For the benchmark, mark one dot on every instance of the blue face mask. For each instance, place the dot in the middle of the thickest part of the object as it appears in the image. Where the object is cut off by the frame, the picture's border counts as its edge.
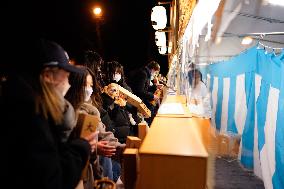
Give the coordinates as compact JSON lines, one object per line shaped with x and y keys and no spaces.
{"x":88,"y":93}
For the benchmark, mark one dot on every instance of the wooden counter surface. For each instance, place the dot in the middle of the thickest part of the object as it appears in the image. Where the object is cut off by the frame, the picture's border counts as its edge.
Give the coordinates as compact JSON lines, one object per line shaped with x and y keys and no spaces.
{"x":174,"y":136}
{"x":178,"y":99}
{"x":174,"y":98}
{"x":174,"y":152}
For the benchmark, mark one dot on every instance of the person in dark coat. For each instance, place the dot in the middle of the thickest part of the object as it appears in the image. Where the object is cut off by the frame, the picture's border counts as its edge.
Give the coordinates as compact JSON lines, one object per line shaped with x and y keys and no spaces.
{"x":119,"y":116}
{"x":32,"y":114}
{"x":114,"y":73}
{"x":140,"y":83}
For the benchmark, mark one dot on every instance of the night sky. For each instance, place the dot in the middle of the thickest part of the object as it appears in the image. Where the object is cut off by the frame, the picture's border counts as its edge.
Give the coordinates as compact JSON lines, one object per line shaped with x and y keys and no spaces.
{"x":125,"y":33}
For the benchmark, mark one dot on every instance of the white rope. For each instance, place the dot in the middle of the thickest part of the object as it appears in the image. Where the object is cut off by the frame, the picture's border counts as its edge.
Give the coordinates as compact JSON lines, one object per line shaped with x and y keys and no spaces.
{"x":268,"y":47}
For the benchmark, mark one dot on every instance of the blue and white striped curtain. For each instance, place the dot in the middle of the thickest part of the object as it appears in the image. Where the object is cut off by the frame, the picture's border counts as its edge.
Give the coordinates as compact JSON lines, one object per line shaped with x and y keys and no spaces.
{"x":248,"y":99}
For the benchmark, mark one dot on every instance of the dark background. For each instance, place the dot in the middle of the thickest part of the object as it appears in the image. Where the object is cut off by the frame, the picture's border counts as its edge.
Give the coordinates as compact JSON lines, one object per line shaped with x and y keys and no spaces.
{"x":124,"y":34}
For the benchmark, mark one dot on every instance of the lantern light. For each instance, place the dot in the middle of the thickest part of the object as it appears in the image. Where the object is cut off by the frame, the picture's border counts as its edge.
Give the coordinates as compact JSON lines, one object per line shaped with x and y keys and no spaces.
{"x":247,"y":40}
{"x":162,"y":50}
{"x":159,"y":17}
{"x":160,"y":38}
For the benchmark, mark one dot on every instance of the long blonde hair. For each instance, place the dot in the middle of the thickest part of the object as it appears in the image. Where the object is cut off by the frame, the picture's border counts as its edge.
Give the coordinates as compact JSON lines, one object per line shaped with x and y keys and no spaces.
{"x":50,"y":103}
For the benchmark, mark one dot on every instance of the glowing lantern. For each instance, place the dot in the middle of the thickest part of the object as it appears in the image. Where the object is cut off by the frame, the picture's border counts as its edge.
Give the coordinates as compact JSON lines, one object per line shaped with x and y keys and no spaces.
{"x":159,"y":17}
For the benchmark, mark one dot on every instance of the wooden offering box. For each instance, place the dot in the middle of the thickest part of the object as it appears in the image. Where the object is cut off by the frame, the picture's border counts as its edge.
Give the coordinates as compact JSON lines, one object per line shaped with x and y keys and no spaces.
{"x":173,"y":155}
{"x":86,"y":124}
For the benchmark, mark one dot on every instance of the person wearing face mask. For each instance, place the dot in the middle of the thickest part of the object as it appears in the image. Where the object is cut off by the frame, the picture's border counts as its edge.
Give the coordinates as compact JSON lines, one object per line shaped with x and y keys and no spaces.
{"x":140,"y":83}
{"x":32,"y":114}
{"x":154,"y":75}
{"x":80,"y":97}
{"x":69,"y":117}
{"x":94,"y":62}
{"x":113,"y":73}
{"x":117,"y":113}
{"x":117,"y":77}
{"x":88,"y":93}
{"x":153,"y":81}
{"x":122,"y":114}
{"x":62,"y":88}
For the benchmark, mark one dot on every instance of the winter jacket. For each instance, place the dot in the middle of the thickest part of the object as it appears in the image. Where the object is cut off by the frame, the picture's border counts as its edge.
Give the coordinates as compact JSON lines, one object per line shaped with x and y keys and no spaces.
{"x":119,"y":116}
{"x":139,"y":81}
{"x":110,"y":125}
{"x":33,"y":154}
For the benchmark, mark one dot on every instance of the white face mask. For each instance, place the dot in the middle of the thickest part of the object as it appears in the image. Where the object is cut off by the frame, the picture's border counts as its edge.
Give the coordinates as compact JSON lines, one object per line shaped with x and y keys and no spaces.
{"x":117,"y":77}
{"x":88,"y":93}
{"x":62,"y":88}
{"x":65,"y":89}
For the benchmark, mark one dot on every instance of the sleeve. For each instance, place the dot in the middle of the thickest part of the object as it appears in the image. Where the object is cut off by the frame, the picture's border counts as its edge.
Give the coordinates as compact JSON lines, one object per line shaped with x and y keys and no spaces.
{"x":34,"y":153}
{"x":152,"y":88}
{"x":140,"y":87}
{"x":203,"y":90}
{"x":73,"y":159}
{"x":107,"y":101}
{"x":44,"y":159}
{"x":110,"y":126}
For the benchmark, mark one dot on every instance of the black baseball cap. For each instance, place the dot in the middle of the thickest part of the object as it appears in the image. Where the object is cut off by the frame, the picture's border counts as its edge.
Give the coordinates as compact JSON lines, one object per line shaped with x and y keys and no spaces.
{"x":52,"y":54}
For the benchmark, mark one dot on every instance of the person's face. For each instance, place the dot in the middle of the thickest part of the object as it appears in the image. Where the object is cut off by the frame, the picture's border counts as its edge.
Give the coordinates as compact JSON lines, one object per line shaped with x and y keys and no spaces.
{"x":117,"y":71}
{"x":58,"y":78}
{"x":154,"y":73}
{"x":117,"y":75}
{"x":88,"y":88}
{"x":61,"y":76}
{"x":89,"y":81}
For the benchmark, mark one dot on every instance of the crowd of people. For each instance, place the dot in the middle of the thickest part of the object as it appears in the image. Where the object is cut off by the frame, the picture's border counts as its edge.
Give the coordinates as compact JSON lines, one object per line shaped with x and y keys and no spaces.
{"x":40,"y":102}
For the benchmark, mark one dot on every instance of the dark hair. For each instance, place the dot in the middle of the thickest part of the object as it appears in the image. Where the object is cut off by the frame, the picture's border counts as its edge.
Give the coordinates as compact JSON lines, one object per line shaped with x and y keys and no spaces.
{"x":94,"y":62}
{"x":75,"y":94}
{"x":96,"y":95}
{"x":153,"y":65}
{"x":109,"y":70}
{"x":191,"y":76}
